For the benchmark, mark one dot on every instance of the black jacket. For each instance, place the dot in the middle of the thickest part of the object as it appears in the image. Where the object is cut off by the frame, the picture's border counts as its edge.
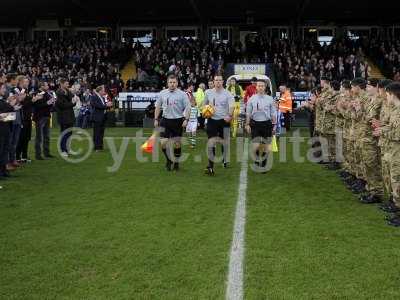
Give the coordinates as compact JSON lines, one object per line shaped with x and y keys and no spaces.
{"x":5,"y":108}
{"x":41,"y":109}
{"x":64,"y":107}
{"x":98,"y":109}
{"x":27,"y":108}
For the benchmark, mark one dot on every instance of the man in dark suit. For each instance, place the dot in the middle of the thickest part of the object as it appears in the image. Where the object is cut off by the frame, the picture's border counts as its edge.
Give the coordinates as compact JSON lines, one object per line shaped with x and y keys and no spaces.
{"x":65,"y":112}
{"x":43,"y":105}
{"x":99,"y":106}
{"x":355,"y":72}
{"x":26,"y":130}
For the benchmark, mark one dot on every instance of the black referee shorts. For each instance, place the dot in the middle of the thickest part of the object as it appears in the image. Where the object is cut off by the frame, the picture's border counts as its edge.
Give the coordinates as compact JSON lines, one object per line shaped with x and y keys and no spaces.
{"x":172,"y":128}
{"x":261,"y":129}
{"x":215,"y":128}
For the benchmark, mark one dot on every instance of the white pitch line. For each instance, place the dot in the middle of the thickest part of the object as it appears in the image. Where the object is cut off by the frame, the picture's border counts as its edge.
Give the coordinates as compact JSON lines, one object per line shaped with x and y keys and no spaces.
{"x":234,"y":289}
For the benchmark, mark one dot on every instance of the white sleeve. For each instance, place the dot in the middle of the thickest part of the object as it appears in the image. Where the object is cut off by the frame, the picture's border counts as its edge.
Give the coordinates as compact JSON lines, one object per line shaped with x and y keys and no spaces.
{"x":273,"y":109}
{"x":186,"y":103}
{"x":206,"y":100}
{"x":159,"y":101}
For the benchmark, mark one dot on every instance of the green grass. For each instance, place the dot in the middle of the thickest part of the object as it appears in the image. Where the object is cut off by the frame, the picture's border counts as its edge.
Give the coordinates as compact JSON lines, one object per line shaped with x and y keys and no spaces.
{"x":308,"y":237}
{"x":76,"y":231}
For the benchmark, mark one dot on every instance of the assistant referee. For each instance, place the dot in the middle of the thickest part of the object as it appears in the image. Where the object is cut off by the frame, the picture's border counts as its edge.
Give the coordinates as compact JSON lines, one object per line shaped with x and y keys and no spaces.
{"x":261,"y":123}
{"x":175,"y":107}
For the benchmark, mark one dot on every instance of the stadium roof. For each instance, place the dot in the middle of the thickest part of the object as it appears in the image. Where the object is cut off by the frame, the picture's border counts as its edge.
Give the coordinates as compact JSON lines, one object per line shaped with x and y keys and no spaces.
{"x":86,"y":12}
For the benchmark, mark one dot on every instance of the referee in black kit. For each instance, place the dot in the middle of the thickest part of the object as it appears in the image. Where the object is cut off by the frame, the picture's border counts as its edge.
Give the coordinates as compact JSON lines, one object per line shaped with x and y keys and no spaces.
{"x":261,"y":124}
{"x":175,"y":106}
{"x":220,"y":122}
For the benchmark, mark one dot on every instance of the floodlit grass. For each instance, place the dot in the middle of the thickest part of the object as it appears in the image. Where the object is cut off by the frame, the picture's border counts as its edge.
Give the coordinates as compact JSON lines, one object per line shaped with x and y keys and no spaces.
{"x":76,"y":231}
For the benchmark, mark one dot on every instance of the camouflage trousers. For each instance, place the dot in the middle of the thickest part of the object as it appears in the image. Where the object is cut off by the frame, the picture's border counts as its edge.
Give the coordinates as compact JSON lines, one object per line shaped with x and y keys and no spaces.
{"x":346,"y":146}
{"x":347,"y":155}
{"x":328,"y":144}
{"x":371,"y":166}
{"x":357,"y":159}
{"x":385,"y":159}
{"x":394,"y":169}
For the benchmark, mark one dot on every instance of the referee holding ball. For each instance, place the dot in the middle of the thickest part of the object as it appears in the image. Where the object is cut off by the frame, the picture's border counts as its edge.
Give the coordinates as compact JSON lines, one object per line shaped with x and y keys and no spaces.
{"x":223,"y":103}
{"x":175,"y":107}
{"x":261,"y":123}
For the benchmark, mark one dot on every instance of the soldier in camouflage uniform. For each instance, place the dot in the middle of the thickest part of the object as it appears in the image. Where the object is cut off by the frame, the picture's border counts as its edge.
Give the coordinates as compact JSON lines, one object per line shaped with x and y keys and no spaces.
{"x":370,"y":152}
{"x":383,"y":142}
{"x":360,"y":96}
{"x":343,"y":122}
{"x":320,"y":113}
{"x":391,"y":132}
{"x":328,"y":126}
{"x":351,"y":150}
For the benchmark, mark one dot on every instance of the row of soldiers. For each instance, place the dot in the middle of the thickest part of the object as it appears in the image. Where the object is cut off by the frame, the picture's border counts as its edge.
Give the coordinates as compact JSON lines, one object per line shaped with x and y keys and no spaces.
{"x":358,"y":127}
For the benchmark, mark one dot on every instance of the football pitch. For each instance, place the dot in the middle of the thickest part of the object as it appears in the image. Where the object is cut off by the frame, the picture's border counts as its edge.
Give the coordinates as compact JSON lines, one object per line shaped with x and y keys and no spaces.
{"x":78,"y":231}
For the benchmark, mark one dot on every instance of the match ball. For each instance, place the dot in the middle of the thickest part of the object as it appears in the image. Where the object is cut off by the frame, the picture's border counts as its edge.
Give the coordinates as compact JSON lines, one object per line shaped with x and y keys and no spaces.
{"x":208,"y":111}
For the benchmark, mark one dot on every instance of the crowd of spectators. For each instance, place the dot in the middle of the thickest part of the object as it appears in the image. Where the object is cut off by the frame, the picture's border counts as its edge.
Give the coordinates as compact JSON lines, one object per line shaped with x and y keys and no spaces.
{"x":21,"y":105}
{"x":90,"y":62}
{"x":87,"y":62}
{"x":192,"y":61}
{"x":300,"y":64}
{"x":387,"y":56}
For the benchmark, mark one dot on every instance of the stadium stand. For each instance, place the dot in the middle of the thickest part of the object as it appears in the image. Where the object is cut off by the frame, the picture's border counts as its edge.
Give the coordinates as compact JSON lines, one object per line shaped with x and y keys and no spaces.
{"x":87,"y":62}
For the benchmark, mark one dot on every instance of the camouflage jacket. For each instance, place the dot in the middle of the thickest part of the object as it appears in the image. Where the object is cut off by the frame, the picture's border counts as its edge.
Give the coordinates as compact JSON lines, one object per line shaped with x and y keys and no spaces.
{"x":372,"y":110}
{"x":361,"y":128}
{"x":328,"y":126}
{"x":319,"y":109}
{"x":391,"y":131}
{"x":384,"y":118}
{"x":340,"y":112}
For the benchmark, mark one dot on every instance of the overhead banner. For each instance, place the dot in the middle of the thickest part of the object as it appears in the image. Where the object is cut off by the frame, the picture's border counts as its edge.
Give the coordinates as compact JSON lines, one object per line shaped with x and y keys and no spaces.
{"x":136,"y":100}
{"x":249,"y":69}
